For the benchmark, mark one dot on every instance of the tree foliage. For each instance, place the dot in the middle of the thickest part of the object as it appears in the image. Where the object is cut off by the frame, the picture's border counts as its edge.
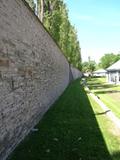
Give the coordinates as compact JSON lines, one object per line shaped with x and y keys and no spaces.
{"x":108,"y":59}
{"x":89,"y":66}
{"x":31,"y":4}
{"x":54,"y":16}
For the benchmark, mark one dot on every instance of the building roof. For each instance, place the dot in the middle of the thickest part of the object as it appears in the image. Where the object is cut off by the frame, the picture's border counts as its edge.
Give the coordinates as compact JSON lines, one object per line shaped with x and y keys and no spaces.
{"x":115,"y":66}
{"x":100,"y":71}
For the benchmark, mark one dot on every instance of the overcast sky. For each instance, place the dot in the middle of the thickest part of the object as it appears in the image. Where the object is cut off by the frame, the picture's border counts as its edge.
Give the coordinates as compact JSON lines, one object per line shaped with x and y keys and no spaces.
{"x":98,"y":26}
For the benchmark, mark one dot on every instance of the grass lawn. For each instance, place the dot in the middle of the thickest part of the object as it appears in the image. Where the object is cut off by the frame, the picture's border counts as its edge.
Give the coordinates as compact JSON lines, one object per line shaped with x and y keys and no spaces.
{"x":108,"y":93}
{"x":71,"y":130}
{"x":109,"y":131}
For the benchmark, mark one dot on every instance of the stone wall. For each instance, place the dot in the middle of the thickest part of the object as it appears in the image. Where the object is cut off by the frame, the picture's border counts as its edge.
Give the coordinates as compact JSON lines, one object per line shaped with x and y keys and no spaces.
{"x":75,"y":73}
{"x":33,"y":72}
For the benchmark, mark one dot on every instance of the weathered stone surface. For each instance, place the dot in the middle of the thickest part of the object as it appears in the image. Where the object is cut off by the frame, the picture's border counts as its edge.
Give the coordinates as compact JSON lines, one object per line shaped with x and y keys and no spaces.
{"x":33,"y":72}
{"x":75,"y":73}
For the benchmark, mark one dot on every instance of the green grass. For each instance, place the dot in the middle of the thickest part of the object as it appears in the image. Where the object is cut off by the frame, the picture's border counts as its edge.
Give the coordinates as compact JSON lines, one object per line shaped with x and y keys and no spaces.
{"x":108,"y":93}
{"x":109,"y":131}
{"x":70,"y":130}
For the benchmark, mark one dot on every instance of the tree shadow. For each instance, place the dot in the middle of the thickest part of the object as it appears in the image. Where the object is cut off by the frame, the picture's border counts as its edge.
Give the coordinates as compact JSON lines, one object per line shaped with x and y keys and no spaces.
{"x":99,"y":86}
{"x":68,"y":131}
{"x":116,"y":155}
{"x":104,"y":92}
{"x":102,"y":113}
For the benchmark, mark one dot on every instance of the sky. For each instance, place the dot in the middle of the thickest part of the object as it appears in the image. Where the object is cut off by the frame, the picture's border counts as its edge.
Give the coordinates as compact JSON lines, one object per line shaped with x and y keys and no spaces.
{"x":98,"y":26}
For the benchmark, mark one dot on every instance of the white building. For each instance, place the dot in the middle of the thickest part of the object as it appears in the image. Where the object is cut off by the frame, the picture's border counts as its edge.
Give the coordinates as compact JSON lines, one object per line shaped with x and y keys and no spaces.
{"x":113,"y":75}
{"x":100,"y":73}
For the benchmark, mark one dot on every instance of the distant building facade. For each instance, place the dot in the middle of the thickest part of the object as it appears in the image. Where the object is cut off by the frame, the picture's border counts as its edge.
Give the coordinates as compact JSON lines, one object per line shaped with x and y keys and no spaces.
{"x":100,"y":73}
{"x":113,"y":73}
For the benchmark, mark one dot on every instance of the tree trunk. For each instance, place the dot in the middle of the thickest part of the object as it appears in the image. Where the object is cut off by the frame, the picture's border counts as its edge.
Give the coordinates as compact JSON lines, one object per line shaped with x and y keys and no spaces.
{"x":41,"y":10}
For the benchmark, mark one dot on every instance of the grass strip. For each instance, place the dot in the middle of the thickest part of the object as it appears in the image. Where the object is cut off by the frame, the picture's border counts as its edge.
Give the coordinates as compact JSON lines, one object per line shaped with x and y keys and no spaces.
{"x":68,"y":131}
{"x":108,"y":129}
{"x":108,"y":93}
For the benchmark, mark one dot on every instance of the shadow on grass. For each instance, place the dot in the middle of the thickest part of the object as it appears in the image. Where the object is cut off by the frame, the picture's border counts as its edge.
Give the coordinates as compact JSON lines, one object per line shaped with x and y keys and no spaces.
{"x":102,"y":113}
{"x":116,"y":155}
{"x":100,"y":86}
{"x":68,"y":131}
{"x":94,"y":84}
{"x":105,"y":92}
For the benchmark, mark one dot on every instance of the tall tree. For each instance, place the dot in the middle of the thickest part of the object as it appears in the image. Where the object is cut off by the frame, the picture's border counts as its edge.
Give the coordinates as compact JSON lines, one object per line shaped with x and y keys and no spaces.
{"x":54,"y":16}
{"x":108,"y":59}
{"x":41,"y":10}
{"x":89,"y":66}
{"x":45,"y":6}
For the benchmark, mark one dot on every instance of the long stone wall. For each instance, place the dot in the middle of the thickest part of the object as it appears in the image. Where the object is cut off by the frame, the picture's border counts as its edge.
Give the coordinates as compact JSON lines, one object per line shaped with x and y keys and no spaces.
{"x":75,"y":73}
{"x":33,"y":72}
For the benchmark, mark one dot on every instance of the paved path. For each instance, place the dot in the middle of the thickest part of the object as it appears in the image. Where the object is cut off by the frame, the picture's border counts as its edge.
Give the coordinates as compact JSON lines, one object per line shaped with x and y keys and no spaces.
{"x":108,"y":112}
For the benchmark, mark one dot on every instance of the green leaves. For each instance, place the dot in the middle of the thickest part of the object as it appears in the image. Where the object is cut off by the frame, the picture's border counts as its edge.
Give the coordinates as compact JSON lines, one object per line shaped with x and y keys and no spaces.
{"x":89,"y":66}
{"x":31,"y":4}
{"x":54,"y":16}
{"x":108,"y":59}
{"x":57,"y":23}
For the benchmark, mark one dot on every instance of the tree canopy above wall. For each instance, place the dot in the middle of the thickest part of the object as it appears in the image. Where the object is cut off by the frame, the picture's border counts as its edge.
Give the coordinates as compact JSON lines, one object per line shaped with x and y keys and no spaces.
{"x":54,"y":16}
